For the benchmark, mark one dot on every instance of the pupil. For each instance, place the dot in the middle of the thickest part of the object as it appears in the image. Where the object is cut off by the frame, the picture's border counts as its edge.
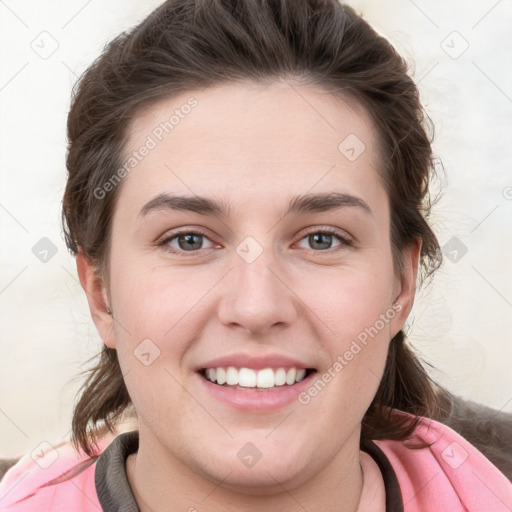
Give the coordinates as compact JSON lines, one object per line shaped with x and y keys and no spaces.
{"x":321,"y":238}
{"x":189,"y":241}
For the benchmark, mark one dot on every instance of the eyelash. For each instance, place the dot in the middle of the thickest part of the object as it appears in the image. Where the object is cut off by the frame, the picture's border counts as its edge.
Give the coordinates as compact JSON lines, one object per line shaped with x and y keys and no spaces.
{"x":345,"y":242}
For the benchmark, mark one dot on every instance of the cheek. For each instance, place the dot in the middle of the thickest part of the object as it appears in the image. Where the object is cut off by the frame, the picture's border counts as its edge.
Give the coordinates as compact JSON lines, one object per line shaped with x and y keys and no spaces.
{"x":157,"y":302}
{"x":355,"y":329}
{"x":159,"y":314}
{"x":356,"y":341}
{"x":349,"y":300}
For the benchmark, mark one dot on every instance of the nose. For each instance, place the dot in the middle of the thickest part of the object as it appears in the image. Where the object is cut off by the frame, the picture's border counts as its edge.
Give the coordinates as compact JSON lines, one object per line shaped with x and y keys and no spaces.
{"x":257,"y":297}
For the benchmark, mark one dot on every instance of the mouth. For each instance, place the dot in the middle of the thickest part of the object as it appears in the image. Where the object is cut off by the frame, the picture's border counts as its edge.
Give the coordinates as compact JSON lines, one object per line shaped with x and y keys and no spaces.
{"x":252,"y":379}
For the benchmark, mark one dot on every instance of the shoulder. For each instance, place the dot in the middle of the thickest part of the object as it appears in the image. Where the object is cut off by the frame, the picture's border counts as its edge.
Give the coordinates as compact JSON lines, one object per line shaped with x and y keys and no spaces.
{"x":449,"y":474}
{"x":52,"y":478}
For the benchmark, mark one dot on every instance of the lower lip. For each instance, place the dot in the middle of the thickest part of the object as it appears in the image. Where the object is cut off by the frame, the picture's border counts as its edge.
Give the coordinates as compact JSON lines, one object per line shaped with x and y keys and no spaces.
{"x":257,"y":399}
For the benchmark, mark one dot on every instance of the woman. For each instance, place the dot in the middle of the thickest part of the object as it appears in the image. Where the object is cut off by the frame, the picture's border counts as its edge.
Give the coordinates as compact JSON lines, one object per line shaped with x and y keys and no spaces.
{"x":247,"y":202}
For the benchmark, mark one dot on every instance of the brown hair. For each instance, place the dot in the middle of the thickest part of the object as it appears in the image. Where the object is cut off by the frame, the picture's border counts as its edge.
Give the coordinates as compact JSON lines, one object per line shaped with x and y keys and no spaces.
{"x":187,"y":44}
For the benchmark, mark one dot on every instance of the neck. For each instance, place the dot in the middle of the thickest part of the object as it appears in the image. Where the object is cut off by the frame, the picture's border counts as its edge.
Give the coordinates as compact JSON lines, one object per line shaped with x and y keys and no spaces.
{"x":161,"y":481}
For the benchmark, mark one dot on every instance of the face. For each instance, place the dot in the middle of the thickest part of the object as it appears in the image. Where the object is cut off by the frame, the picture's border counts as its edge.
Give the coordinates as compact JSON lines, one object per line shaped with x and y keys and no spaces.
{"x":273,"y":283}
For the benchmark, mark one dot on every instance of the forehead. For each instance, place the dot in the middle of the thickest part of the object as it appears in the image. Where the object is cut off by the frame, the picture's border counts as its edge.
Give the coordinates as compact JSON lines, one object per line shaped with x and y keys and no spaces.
{"x":257,"y":138}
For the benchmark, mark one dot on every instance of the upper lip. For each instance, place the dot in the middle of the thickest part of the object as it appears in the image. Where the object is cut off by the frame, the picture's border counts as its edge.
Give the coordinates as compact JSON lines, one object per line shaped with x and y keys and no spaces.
{"x":241,"y":360}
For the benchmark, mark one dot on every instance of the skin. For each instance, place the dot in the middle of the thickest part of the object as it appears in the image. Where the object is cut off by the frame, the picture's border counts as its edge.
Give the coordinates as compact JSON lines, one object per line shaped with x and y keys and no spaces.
{"x":254,"y":146}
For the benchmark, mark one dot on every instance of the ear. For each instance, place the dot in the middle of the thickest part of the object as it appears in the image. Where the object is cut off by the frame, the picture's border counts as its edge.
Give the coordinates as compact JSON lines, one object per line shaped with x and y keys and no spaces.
{"x":97,"y":298}
{"x":405,"y":286}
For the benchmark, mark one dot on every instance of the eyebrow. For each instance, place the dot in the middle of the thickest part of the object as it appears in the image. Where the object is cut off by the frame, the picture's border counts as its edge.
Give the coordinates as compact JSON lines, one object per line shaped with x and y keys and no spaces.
{"x":309,"y":203}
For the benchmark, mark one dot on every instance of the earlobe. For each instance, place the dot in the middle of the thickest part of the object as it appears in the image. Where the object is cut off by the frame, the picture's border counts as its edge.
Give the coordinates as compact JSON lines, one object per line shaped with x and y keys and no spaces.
{"x":97,"y":299}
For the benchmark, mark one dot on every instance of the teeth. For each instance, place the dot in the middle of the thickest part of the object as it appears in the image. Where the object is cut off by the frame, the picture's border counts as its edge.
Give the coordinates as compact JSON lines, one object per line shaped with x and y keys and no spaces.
{"x":280,"y":377}
{"x":300,"y":375}
{"x":249,"y":378}
{"x":231,"y":376}
{"x":220,"y":375}
{"x":265,"y":378}
{"x":290,"y":376}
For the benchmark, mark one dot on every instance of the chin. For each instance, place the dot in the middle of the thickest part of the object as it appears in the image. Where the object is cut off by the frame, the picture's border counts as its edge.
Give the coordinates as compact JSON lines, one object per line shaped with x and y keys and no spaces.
{"x":248,"y":472}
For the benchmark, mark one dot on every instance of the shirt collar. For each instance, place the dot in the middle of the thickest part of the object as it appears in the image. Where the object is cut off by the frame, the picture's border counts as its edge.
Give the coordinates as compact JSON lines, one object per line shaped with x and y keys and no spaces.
{"x":112,"y":487}
{"x":115,"y":494}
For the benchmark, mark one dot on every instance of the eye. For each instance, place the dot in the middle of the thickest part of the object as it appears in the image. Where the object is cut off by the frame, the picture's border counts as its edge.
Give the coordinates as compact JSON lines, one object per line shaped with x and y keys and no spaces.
{"x":322,"y":238}
{"x":184,"y":241}
{"x":191,"y":242}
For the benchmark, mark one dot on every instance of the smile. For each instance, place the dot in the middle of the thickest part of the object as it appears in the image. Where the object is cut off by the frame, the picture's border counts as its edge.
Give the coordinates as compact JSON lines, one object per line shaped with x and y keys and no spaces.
{"x":265,"y":378}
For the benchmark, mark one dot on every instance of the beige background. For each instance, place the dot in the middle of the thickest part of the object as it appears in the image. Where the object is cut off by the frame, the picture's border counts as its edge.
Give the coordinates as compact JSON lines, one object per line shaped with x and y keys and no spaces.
{"x":462,"y":321}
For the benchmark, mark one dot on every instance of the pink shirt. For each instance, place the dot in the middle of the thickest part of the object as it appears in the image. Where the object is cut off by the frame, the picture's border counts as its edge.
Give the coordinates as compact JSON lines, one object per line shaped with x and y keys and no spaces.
{"x":449,"y":476}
